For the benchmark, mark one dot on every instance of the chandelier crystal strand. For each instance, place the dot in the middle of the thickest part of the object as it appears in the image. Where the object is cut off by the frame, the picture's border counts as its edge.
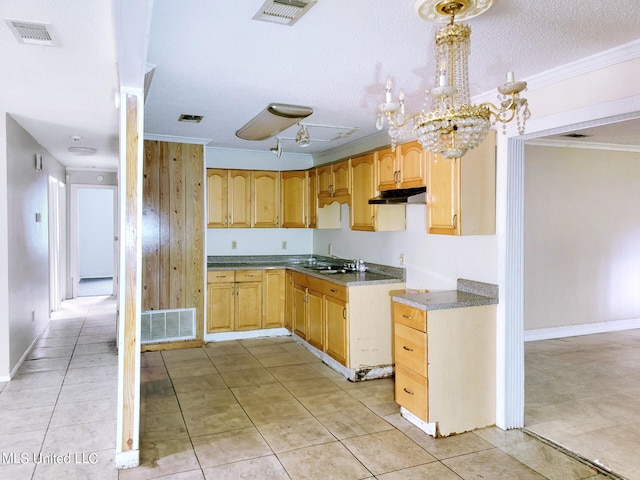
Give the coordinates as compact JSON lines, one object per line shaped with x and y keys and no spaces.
{"x":453,"y":125}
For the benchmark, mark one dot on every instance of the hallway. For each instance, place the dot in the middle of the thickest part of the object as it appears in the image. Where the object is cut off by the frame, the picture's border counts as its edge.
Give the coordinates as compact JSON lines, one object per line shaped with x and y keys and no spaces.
{"x":62,"y":401}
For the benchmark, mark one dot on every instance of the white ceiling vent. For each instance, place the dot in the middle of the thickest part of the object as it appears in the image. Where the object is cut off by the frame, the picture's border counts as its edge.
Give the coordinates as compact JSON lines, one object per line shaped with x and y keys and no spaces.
{"x":284,"y":12}
{"x":32,"y":33}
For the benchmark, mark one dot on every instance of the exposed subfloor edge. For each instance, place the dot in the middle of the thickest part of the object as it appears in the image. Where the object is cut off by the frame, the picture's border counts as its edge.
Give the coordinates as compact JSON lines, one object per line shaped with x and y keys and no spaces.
{"x":576,"y":456}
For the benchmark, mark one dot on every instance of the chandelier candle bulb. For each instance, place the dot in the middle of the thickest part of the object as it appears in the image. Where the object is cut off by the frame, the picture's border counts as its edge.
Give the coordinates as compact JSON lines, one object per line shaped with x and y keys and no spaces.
{"x":388,"y":91}
{"x":510,"y":77}
{"x":443,"y":73}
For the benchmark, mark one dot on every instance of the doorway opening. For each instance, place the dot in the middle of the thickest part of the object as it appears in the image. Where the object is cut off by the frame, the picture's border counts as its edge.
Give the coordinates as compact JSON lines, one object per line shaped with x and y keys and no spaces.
{"x":93,"y":231}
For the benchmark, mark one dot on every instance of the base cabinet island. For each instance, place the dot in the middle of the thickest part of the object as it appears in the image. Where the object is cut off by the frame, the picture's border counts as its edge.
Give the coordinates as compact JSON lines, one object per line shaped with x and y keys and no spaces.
{"x":341,"y":315}
{"x":445,"y":358}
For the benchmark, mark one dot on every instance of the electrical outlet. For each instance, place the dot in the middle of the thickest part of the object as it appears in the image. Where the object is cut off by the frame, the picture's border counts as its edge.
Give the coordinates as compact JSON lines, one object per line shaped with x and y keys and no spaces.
{"x":234,"y":244}
{"x":284,"y":245}
{"x":329,"y":250}
{"x":401,"y":259}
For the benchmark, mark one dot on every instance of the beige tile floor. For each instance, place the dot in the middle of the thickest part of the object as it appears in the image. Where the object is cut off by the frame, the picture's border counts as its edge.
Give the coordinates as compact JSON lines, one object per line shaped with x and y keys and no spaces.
{"x":584,"y":394}
{"x":61,"y":405}
{"x":255,"y":409}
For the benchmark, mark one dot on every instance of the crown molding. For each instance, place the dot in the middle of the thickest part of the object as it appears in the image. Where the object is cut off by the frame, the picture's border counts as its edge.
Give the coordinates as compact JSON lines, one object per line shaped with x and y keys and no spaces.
{"x":558,"y":143}
{"x":175,"y":139}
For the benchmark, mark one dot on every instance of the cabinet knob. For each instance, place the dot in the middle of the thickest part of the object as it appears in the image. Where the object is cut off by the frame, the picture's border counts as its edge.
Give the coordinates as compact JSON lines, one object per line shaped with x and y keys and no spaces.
{"x":407,"y":348}
{"x":454,"y":221}
{"x":408,"y":317}
{"x":408,"y":391}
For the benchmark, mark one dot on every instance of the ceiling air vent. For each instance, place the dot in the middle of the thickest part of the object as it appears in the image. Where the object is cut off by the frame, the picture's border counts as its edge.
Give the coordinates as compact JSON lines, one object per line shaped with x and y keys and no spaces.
{"x":31,"y":33}
{"x":576,"y":135}
{"x":284,"y":12}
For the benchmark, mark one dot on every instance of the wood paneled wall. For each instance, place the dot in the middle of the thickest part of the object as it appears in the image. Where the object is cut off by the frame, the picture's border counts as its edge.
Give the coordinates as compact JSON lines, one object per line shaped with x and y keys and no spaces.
{"x":173,"y":228}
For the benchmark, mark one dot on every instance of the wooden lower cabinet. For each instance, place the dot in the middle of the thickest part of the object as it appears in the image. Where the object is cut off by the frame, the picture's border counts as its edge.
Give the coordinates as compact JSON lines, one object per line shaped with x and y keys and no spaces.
{"x":234,"y":300}
{"x":315,"y":319}
{"x":445,"y":366}
{"x":337,"y":319}
{"x":273,"y":298}
{"x":300,"y":311}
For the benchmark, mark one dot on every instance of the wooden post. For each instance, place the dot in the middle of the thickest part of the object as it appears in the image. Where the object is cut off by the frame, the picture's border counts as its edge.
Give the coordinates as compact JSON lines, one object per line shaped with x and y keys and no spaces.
{"x":128,"y":442}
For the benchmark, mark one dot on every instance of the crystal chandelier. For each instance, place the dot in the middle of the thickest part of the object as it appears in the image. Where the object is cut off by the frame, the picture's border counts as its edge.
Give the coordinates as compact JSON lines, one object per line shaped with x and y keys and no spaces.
{"x":452,"y":125}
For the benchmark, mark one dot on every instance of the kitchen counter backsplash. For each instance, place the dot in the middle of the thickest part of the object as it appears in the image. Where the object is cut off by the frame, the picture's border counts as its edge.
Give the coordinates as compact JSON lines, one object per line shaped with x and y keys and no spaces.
{"x":297,"y":260}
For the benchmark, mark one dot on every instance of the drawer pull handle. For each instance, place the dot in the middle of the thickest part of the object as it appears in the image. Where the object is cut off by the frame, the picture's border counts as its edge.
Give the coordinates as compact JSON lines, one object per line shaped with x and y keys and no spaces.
{"x":407,"y":348}
{"x":221,"y":276}
{"x":410,"y":317}
{"x":407,"y":391}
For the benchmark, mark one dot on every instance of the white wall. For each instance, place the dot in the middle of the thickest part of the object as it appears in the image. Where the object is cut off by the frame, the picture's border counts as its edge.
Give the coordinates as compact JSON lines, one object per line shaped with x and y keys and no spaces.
{"x":27,"y":243}
{"x":582,"y":236}
{"x":433,"y":262}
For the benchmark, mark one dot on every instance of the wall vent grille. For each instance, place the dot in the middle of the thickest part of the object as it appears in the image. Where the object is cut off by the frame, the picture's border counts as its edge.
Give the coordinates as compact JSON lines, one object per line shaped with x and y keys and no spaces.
{"x":31,"y":33}
{"x":283,"y":12}
{"x":168,"y":325}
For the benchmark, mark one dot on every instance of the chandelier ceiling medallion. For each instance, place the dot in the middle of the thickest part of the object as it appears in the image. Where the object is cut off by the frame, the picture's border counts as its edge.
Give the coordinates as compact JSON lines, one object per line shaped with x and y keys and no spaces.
{"x":452,"y":125}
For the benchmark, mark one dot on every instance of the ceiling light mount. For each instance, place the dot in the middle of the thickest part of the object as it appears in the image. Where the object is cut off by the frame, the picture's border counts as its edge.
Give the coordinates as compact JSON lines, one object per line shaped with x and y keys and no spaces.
{"x":302,"y":137}
{"x":275,"y":118}
{"x":453,"y":125}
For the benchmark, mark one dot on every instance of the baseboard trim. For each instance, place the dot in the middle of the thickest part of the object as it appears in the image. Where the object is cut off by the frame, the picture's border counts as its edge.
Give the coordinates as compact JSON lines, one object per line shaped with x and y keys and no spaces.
{"x":243,"y":335}
{"x":12,"y":373}
{"x":582,"y":329}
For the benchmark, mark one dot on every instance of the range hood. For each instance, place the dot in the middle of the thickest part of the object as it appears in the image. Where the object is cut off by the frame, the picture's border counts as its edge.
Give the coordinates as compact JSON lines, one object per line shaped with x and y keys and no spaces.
{"x":401,"y":195}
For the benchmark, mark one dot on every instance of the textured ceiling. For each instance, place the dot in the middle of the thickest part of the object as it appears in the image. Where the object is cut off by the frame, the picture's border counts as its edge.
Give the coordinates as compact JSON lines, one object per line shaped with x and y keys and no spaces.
{"x":212,"y":59}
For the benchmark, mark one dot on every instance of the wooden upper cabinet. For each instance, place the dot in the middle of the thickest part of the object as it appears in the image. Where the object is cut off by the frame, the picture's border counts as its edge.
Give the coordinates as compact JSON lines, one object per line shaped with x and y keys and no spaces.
{"x":387,"y":169}
{"x":239,"y":198}
{"x":265,"y":199}
{"x":413,"y":165}
{"x":362,"y":189}
{"x":294,"y":198}
{"x":462,"y":192}
{"x":334,"y":183}
{"x":404,"y":168}
{"x":312,"y":219}
{"x":217,"y":198}
{"x":341,"y":178}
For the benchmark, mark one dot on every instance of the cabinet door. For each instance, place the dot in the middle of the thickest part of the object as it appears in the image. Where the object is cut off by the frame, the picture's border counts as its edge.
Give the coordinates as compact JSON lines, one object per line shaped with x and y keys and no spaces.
{"x":300,"y":311}
{"x":444,"y":195}
{"x":315,"y":322}
{"x":341,"y":179}
{"x":273,"y":298}
{"x":265,"y":199}
{"x":289,"y":297}
{"x":248,"y":306}
{"x":337,"y":321}
{"x":220,"y":307}
{"x":362,"y":189}
{"x":387,"y":169}
{"x":313,"y":199}
{"x":294,"y":199}
{"x":413,"y":165}
{"x":239,"y":199}
{"x":325,"y":181}
{"x":217,"y":195}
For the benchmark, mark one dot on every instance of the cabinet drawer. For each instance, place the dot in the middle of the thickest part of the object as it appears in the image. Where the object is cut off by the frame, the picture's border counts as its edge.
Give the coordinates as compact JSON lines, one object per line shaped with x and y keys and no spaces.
{"x":220,"y":276}
{"x":300,"y":279}
{"x":315,"y":284}
{"x":411,"y":392}
{"x":410,"y":316}
{"x":410,"y":348}
{"x":248,"y":275}
{"x":336,"y":291}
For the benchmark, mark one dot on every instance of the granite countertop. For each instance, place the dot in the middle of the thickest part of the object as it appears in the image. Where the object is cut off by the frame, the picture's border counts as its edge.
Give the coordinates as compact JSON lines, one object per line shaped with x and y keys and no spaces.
{"x":469,"y":293}
{"x":376,"y":274}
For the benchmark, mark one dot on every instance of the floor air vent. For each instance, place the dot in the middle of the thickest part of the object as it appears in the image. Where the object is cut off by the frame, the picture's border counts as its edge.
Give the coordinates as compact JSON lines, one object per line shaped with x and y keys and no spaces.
{"x":168,"y":325}
{"x":284,"y":12}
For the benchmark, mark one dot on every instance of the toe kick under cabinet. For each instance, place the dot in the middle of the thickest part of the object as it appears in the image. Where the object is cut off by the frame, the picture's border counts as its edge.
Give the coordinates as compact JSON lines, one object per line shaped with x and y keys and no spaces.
{"x":445,"y":367}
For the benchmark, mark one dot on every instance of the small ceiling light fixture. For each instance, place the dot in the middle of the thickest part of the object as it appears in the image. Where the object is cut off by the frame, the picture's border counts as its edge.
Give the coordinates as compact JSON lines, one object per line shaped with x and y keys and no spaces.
{"x":83,"y":150}
{"x":452,"y":126}
{"x":275,"y":118}
{"x":277,"y":150}
{"x":302,"y":137}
